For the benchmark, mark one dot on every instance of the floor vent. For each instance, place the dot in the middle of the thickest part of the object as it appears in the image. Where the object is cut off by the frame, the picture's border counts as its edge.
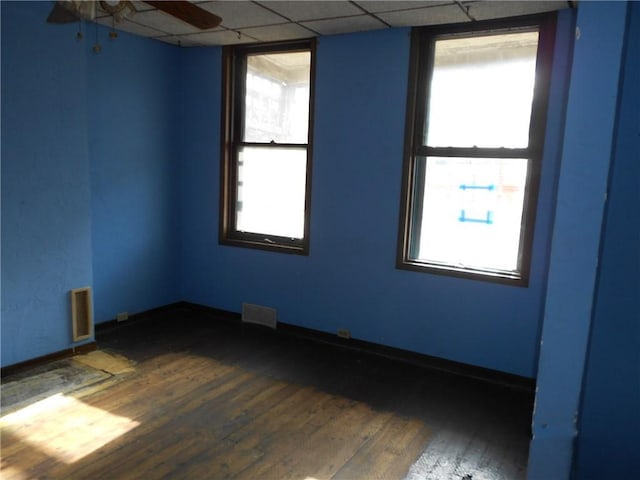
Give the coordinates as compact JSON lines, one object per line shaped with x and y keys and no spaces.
{"x":259,"y":315}
{"x":81,"y":313}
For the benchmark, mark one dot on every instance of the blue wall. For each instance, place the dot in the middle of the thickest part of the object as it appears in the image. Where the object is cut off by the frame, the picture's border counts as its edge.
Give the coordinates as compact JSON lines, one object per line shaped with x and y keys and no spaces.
{"x":89,"y":189}
{"x":587,"y":154}
{"x":198,"y":94}
{"x":349,"y":280}
{"x":46,"y":216}
{"x":134,"y":195}
{"x":610,"y":417}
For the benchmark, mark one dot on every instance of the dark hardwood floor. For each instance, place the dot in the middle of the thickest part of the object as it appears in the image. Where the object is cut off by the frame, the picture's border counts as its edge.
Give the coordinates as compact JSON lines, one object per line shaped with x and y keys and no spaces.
{"x":213,"y":399}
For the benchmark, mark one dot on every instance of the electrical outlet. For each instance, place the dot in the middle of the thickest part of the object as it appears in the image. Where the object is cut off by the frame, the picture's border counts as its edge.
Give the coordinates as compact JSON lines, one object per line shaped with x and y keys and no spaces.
{"x":122,"y":316}
{"x":344,"y":333}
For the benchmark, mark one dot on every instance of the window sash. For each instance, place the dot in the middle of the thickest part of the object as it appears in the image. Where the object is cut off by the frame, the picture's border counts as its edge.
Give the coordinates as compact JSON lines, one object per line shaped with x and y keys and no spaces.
{"x":499,"y":84}
{"x":447,"y":202}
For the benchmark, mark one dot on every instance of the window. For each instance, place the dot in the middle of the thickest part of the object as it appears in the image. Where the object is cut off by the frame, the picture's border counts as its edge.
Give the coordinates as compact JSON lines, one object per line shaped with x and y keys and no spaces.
{"x":475,"y":130}
{"x":266,"y":148}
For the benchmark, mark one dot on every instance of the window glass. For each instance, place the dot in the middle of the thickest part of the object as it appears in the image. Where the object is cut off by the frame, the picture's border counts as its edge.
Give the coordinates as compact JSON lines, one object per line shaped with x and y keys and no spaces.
{"x":481,"y":91}
{"x":271,"y":191}
{"x":472,"y":212}
{"x":277,"y":98}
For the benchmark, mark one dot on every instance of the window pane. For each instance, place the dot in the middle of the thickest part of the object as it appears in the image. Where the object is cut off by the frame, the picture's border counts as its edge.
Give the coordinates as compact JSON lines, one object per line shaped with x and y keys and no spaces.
{"x":277,"y":97}
{"x":472,"y":212}
{"x":481,"y":91}
{"x":271,"y":191}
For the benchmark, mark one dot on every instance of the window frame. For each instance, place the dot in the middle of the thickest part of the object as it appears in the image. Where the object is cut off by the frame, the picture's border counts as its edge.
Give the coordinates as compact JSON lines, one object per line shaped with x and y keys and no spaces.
{"x":420,"y":69}
{"x":234,"y":69}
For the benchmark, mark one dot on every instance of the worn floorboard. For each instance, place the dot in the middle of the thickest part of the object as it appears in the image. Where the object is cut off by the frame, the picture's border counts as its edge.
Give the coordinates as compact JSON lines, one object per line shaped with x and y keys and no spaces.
{"x":194,"y":397}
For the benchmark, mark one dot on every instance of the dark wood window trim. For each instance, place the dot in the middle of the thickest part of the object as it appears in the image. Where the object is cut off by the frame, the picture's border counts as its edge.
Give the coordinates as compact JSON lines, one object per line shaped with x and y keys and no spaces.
{"x":234,"y":72}
{"x":421,"y":62}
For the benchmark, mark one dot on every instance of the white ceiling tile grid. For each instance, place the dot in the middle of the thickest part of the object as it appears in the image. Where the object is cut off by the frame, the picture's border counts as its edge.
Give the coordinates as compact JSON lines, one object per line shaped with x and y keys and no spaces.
{"x":300,"y":11}
{"x":245,"y":21}
{"x":240,"y":14}
{"x":434,"y":15}
{"x":274,"y":33}
{"x":333,"y":26}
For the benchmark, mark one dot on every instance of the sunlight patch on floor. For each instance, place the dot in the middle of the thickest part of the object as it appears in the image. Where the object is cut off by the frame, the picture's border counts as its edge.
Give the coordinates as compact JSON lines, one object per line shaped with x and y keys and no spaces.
{"x":65,"y":428}
{"x":13,"y":473}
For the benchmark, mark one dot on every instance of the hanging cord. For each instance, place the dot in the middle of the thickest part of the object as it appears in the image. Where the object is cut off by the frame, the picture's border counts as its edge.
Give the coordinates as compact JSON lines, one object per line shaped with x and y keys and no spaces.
{"x":113,"y":34}
{"x":97,"y":48}
{"x":79,"y":34}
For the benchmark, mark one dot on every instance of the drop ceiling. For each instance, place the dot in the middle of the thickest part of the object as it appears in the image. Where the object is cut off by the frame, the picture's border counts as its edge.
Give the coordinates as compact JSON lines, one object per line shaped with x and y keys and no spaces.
{"x":264,"y":21}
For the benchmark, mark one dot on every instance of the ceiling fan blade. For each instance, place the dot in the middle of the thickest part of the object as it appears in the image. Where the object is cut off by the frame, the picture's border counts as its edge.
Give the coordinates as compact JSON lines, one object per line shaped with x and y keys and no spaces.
{"x":60,"y":14}
{"x":188,"y":12}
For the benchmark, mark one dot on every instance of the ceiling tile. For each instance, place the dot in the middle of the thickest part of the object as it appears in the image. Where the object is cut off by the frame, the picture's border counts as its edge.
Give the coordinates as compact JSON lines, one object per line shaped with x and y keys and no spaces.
{"x":222,"y":37}
{"x":500,"y":9}
{"x":424,"y":16}
{"x":241,"y":14}
{"x":131,"y":27}
{"x":299,"y":11}
{"x":344,"y":25}
{"x":286,"y":31}
{"x":391,"y":6}
{"x":164,"y":22}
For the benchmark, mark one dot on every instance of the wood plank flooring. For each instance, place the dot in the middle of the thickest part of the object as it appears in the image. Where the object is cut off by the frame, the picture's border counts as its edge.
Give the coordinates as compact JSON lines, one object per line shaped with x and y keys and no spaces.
{"x":208,"y":399}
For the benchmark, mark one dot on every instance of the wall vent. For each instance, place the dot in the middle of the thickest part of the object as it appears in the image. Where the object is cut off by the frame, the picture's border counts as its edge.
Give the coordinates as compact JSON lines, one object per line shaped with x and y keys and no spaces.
{"x":81,"y":313}
{"x":259,"y":315}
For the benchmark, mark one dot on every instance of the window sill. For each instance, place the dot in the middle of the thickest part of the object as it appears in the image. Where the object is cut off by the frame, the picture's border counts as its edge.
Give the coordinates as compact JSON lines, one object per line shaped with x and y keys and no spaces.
{"x":266,"y":244}
{"x":506,"y":278}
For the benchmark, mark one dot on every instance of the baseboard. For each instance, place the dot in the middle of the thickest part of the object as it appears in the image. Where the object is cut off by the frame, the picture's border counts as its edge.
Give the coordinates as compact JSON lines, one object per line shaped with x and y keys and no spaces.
{"x":425,"y":361}
{"x":218,"y":314}
{"x":109,"y":324}
{"x":420,"y":359}
{"x":51,"y":357}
